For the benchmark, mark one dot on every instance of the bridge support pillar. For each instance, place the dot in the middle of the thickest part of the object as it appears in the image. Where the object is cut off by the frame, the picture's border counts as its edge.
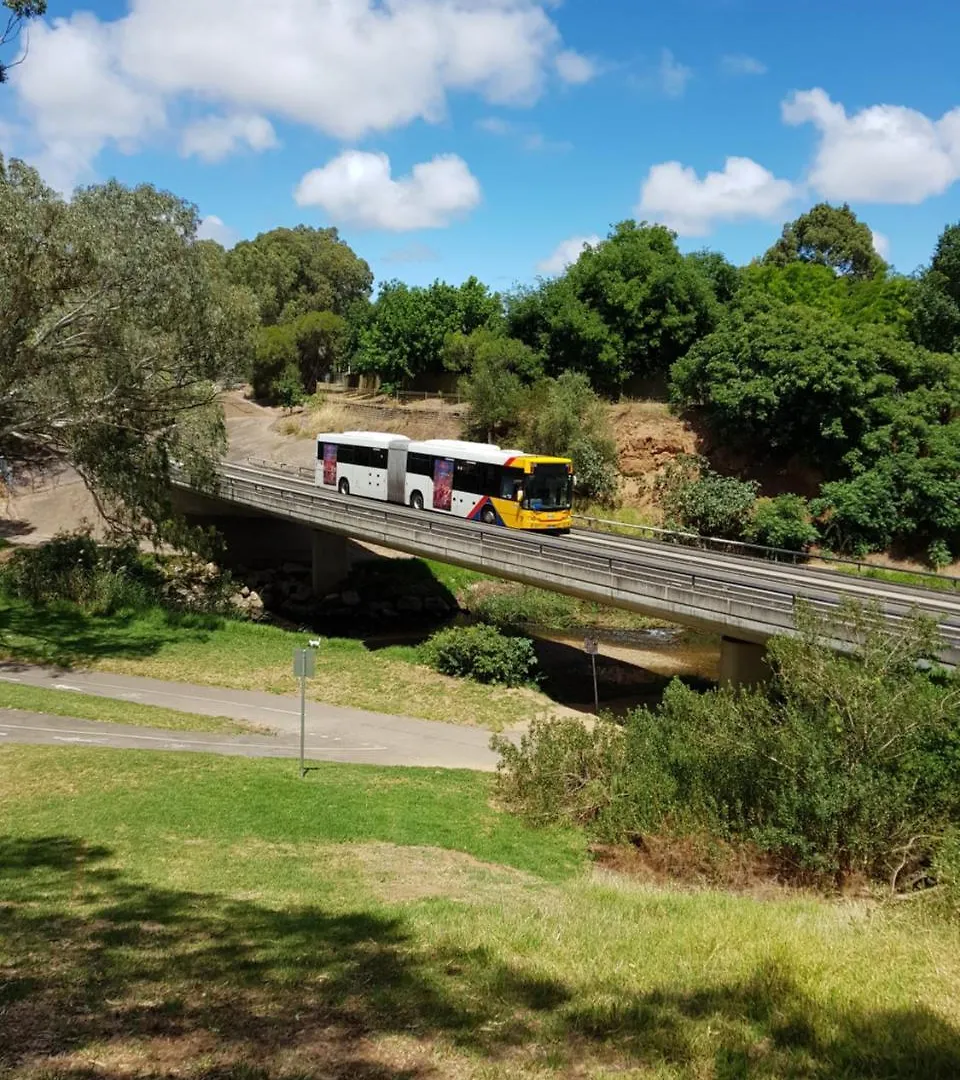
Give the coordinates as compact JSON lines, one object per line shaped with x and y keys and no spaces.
{"x":743,"y":663}
{"x":332,"y":559}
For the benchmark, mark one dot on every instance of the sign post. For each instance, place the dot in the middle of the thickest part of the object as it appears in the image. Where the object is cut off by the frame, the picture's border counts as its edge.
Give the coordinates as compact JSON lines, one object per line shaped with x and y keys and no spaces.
{"x":591,"y":648}
{"x":304,"y":667}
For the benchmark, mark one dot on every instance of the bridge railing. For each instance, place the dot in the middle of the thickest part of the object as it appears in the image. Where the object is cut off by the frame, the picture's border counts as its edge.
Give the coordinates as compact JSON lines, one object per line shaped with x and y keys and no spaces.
{"x":924,"y":578}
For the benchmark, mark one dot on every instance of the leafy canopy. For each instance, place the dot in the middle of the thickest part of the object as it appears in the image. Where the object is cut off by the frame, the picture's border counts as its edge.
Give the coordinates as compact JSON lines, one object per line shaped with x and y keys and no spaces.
{"x":295,"y":271}
{"x":115,"y":338}
{"x":831,"y":236}
{"x":404,"y":333}
{"x":628,"y":307}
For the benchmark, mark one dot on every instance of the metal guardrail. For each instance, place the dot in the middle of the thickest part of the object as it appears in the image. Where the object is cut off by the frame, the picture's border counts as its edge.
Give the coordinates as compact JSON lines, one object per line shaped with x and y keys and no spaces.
{"x":798,"y":558}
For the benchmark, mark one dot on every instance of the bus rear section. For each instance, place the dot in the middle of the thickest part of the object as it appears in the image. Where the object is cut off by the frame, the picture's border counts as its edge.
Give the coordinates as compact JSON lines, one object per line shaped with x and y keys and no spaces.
{"x":370,"y":464}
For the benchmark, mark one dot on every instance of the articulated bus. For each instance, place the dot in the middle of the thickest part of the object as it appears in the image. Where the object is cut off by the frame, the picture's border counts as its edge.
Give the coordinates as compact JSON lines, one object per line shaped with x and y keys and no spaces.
{"x":477,"y":481}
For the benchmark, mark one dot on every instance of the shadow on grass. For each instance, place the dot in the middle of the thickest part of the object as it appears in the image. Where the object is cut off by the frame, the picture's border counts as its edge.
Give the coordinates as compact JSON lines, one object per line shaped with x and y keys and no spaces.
{"x":14,"y":527}
{"x":65,"y":636}
{"x":105,"y":976}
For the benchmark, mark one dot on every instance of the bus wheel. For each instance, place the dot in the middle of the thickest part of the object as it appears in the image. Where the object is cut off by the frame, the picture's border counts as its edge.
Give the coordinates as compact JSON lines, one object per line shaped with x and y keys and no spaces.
{"x":344,"y":486}
{"x":489,"y":516}
{"x":416,"y":501}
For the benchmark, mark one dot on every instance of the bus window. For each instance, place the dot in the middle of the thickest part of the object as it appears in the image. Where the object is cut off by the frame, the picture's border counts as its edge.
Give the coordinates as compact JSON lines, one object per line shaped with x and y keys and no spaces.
{"x":549,"y":488}
{"x":511,"y":484}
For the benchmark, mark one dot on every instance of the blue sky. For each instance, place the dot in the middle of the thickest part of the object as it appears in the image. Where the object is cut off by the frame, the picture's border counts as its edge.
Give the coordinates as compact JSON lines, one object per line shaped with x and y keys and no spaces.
{"x":450,"y":137}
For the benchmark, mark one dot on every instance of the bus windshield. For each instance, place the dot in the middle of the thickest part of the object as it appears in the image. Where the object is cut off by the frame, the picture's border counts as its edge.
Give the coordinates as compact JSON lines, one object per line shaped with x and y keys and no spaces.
{"x":549,"y":488}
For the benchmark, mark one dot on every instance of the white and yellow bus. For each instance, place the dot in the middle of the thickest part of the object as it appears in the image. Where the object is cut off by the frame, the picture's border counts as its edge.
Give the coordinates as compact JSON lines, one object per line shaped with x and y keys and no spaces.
{"x":477,"y":481}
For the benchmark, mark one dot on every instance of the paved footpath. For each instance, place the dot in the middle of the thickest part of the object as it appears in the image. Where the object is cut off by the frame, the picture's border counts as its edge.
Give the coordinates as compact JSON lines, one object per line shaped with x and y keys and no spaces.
{"x":332,"y":733}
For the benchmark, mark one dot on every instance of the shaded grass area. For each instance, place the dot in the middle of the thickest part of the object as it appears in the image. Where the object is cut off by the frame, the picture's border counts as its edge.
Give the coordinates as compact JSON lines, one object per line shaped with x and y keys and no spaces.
{"x":214,"y":651}
{"x":136,"y":942}
{"x":111,"y":711}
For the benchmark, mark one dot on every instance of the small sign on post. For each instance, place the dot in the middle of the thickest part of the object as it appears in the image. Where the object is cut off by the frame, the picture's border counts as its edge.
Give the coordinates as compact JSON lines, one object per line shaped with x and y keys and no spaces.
{"x":304,"y":667}
{"x":591,"y":648}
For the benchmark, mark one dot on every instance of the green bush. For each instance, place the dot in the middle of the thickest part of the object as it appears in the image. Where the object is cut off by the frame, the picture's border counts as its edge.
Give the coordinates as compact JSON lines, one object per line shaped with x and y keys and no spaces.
{"x":783,"y":522}
{"x":104,"y":579}
{"x":696,"y":498}
{"x":74,"y":568}
{"x":860,"y":515}
{"x":837,"y":766}
{"x":526,"y":607}
{"x":481,"y":653}
{"x":564,"y":417}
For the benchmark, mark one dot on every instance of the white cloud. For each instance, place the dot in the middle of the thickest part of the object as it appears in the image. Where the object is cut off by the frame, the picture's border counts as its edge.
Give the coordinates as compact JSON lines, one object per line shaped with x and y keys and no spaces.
{"x":741,"y":64}
{"x":357,"y":188}
{"x":881,"y":244}
{"x":672,"y":76}
{"x":567,"y":252}
{"x":347,"y":68}
{"x":77,"y":99}
{"x":214,"y":228}
{"x":216,"y":137}
{"x":529,"y":138}
{"x":675,"y":196}
{"x":574,"y":68}
{"x":496,"y":125}
{"x":884,"y":153}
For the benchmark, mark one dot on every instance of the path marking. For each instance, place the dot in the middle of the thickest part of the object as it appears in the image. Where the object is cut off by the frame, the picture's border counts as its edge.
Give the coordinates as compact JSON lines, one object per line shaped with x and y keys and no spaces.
{"x":365,"y":748}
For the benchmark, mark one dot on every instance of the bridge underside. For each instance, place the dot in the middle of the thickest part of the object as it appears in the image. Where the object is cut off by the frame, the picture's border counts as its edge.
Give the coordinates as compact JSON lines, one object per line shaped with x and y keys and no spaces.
{"x":255,"y":541}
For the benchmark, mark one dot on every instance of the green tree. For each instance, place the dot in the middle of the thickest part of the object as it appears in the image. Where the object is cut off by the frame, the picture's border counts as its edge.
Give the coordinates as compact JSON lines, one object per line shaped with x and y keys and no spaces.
{"x":404,"y":333}
{"x":723,"y":276}
{"x":565,"y":417}
{"x":296,"y":271}
{"x":115,"y":340}
{"x":937,"y":303}
{"x":832,"y":236}
{"x":795,"y":380}
{"x":887,"y":300}
{"x":630,"y":306}
{"x":11,"y":25}
{"x":500,"y":372}
{"x":321,"y":338}
{"x":275,"y":372}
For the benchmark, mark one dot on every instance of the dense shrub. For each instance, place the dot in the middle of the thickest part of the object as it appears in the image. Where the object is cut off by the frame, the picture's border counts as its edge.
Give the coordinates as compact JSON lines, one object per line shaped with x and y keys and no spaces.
{"x":74,"y":568}
{"x":783,"y":522}
{"x":695,"y":497}
{"x":839,"y":765}
{"x":104,"y":579}
{"x":481,"y":653}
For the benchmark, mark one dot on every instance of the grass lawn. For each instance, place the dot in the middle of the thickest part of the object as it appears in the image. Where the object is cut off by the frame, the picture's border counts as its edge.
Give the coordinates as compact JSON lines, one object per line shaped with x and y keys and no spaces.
{"x":248,"y":656}
{"x":91,"y":707}
{"x":198,"y":917}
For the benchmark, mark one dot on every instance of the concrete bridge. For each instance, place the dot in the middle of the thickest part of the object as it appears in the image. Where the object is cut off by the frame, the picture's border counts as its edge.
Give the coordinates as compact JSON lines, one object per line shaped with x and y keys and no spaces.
{"x":271,"y":513}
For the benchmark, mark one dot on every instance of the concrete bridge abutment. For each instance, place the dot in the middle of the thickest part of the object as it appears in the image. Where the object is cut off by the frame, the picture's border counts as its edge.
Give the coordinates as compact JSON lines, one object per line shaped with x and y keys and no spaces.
{"x":743,"y":663}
